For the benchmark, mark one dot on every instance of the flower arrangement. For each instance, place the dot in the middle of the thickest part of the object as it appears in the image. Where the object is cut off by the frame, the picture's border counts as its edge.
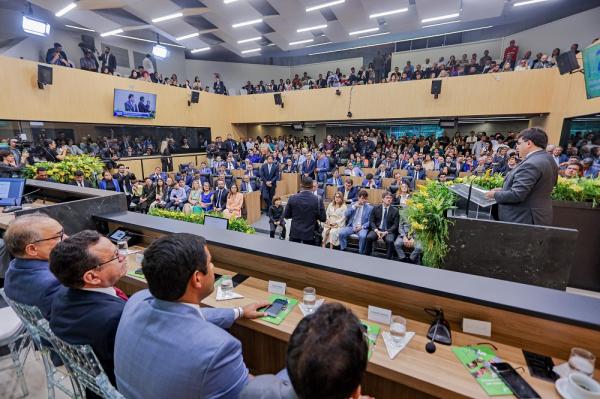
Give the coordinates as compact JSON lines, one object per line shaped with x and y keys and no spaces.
{"x":487,"y":181}
{"x":64,"y":171}
{"x":426,"y":213}
{"x":235,"y":224}
{"x":581,"y":190}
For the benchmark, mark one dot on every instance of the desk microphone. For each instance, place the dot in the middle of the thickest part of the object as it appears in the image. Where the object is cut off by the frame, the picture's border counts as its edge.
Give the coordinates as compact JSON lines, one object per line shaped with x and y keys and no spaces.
{"x":14,"y":208}
{"x":430,"y":346}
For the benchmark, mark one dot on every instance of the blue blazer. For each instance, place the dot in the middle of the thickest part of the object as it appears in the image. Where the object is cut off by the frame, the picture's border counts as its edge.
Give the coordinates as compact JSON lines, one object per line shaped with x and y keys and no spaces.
{"x":31,"y":282}
{"x":353,"y":194}
{"x":172,"y":350}
{"x":88,"y":317}
{"x":308,"y":169}
{"x":244,"y":188}
{"x":365,"y":183}
{"x":162,"y":175}
{"x":335,"y":182}
{"x":102,"y":185}
{"x":364,"y":219}
{"x":322,"y":168}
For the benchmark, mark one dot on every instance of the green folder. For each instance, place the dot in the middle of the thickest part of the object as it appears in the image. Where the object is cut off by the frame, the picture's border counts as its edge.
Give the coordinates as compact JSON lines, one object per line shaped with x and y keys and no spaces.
{"x":372,"y":331}
{"x":135,"y":275}
{"x":477,"y":359}
{"x":281,"y":316}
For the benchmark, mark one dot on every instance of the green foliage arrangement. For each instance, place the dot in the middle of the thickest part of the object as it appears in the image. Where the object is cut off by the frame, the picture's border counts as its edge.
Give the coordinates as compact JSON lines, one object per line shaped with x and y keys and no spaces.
{"x":426,"y":212}
{"x":235,"y":224}
{"x":580,"y":190}
{"x":64,"y":171}
{"x":488,"y":181}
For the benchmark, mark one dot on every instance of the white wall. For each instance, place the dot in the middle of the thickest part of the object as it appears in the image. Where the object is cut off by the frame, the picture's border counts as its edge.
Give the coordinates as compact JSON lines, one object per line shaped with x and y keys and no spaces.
{"x":322,"y":67}
{"x":579,"y":28}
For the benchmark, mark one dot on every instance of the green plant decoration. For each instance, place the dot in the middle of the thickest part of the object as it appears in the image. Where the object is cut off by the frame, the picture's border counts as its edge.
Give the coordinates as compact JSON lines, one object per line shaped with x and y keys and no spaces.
{"x":64,"y":171}
{"x":235,"y":224}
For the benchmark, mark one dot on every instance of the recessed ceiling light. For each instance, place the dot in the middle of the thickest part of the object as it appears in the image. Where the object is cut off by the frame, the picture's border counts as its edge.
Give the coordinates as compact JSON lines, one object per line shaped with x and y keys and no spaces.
{"x":148,"y":41}
{"x":35,"y":26}
{"x":375,"y":34}
{"x":160,"y":51}
{"x":385,"y":13}
{"x":358,"y":32}
{"x":328,"y":4}
{"x":311,"y":28}
{"x":252,"y":22}
{"x":167,"y":17}
{"x":441,"y":23}
{"x":229,"y":1}
{"x":301,"y":42}
{"x":197,"y":50}
{"x":188,"y":36}
{"x":66,"y":10}
{"x":525,"y":3}
{"x":80,"y":28}
{"x":111,"y":32}
{"x":441,"y":17}
{"x":320,"y":44}
{"x":252,"y":50}
{"x":252,"y":39}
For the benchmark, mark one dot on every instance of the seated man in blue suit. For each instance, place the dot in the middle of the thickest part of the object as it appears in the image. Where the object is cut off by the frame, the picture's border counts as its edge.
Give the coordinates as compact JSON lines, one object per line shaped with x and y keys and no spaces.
{"x":415,"y":173}
{"x":357,"y":222}
{"x":349,"y":192}
{"x":370,"y":182}
{"x":158,"y":174}
{"x":89,"y":310}
{"x":248,"y":185}
{"x":30,"y":239}
{"x":167,"y":346}
{"x":336,"y":180}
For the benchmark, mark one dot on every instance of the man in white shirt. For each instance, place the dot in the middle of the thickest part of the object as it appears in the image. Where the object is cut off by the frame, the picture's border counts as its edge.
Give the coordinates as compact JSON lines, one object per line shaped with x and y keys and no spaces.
{"x":148,"y":65}
{"x":471,"y":140}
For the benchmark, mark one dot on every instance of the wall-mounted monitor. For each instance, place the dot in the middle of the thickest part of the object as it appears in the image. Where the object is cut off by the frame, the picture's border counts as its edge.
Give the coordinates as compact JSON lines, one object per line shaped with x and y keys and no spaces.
{"x":591,"y":68}
{"x":134,"y":104}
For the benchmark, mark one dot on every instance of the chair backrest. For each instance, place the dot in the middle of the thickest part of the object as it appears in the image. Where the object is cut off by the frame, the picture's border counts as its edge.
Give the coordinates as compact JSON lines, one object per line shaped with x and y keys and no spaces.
{"x":83,"y":364}
{"x":32,"y":318}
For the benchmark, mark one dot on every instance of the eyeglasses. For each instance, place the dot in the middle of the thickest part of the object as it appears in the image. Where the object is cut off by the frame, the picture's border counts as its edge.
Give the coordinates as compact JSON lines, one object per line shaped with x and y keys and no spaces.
{"x":59,"y":236}
{"x":117,"y":256}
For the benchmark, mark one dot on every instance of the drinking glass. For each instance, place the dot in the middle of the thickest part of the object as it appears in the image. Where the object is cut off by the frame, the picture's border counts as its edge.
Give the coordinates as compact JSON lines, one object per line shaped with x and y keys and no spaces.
{"x":309,"y":298}
{"x":398,"y":329}
{"x":583,"y":361}
{"x":122,"y":248}
{"x":226,"y":286}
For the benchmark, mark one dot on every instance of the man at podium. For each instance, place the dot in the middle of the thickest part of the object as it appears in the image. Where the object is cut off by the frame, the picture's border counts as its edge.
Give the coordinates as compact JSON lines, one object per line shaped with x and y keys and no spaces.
{"x":525,"y":195}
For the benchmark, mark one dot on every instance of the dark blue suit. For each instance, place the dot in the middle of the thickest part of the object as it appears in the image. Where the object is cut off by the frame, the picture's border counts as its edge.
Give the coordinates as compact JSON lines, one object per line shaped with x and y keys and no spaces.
{"x":154,"y":177}
{"x":244,"y":186}
{"x":335,"y":182}
{"x":308,"y":169}
{"x":31,"y":282}
{"x":266,"y":191}
{"x":352,"y":195}
{"x":89,"y":318}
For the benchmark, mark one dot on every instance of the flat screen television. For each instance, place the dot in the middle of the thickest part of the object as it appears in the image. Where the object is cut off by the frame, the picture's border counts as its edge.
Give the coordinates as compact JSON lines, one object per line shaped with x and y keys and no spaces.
{"x":11,"y":191}
{"x":134,"y":104}
{"x":591,"y":68}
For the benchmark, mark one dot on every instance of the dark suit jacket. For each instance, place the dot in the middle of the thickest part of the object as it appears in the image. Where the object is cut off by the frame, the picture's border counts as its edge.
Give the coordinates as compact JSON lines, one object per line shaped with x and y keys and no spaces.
{"x":88,"y":318}
{"x":244,"y":186}
{"x":352,"y":195}
{"x":111,"y":62}
{"x":308,"y":169}
{"x":304,"y":209}
{"x":265,"y":176}
{"x":525,"y":195}
{"x":86,"y":183}
{"x":222,"y":201}
{"x":392,"y":219}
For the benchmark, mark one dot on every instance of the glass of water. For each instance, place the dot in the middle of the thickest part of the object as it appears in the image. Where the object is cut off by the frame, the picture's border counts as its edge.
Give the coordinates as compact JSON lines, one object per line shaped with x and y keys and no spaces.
{"x":398,"y":329}
{"x":226,"y":286}
{"x":122,"y":248}
{"x":583,"y":361}
{"x":309,"y":298}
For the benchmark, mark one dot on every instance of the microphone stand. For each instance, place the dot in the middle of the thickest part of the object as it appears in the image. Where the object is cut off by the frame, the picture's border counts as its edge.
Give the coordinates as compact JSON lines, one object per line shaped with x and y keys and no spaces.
{"x":469,"y":197}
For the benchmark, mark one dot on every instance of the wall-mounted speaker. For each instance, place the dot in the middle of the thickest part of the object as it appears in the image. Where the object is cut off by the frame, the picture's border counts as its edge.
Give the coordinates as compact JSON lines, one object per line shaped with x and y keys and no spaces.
{"x":436,"y":87}
{"x":567,"y":62}
{"x":44,"y":76}
{"x":277,"y":98}
{"x":195,"y":96}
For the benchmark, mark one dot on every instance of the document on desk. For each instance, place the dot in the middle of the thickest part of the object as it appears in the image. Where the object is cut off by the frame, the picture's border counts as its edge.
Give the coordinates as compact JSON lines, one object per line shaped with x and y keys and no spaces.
{"x":4,"y":189}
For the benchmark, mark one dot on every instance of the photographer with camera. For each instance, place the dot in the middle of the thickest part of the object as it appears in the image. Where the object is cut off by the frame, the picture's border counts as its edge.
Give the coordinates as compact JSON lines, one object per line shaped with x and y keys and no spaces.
{"x":9,"y":167}
{"x":50,"y":153}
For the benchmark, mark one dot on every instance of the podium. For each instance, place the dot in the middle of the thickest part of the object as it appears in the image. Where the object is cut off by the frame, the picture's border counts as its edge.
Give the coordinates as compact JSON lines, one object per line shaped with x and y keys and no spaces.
{"x":473,"y":195}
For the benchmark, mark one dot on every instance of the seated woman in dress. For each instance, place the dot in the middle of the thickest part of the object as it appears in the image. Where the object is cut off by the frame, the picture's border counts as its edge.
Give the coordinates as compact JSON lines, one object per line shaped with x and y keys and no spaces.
{"x":161,"y":197}
{"x":193,"y":202}
{"x":235,"y":201}
{"x":336,"y":219}
{"x":206,"y":197}
{"x":402,"y":195}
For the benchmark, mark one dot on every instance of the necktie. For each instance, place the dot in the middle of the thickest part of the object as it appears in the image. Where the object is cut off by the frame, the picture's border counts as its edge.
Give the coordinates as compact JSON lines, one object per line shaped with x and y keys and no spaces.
{"x":121,"y":294}
{"x":80,"y":184}
{"x":384,"y":220}
{"x":219,"y":198}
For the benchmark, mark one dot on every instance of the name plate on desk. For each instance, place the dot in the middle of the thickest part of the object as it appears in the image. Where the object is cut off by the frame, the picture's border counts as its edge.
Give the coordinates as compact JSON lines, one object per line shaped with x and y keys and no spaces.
{"x":276,"y":287}
{"x":380,"y":315}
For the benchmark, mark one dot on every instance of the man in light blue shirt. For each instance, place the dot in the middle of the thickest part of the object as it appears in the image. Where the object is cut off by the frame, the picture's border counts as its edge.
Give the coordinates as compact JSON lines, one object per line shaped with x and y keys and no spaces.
{"x":167,"y":346}
{"x":178,"y":196}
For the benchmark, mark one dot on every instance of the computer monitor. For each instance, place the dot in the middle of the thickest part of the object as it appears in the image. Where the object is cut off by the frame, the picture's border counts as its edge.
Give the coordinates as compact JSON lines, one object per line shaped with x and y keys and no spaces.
{"x":11,"y":191}
{"x":214,"y":221}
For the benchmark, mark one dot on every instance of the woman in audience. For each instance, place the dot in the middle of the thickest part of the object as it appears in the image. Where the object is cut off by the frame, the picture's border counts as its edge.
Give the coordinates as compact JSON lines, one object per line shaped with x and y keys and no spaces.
{"x":276,"y":220}
{"x":160,"y":195}
{"x":553,"y":58}
{"x":193,"y":202}
{"x":145,"y":77}
{"x":108,"y":183}
{"x":288,"y":85}
{"x":402,"y":194}
{"x":133,"y":74}
{"x":235,"y":201}
{"x":336,"y":219}
{"x":206,"y":198}
{"x":428,"y":163}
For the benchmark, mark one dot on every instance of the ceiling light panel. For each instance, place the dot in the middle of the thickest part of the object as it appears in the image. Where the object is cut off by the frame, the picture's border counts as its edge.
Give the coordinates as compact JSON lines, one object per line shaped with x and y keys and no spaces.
{"x":440,"y":18}
{"x":252,"y":39}
{"x":66,"y":9}
{"x":360,"y":32}
{"x":307,"y":29}
{"x":247,"y":23}
{"x":526,"y":3}
{"x":252,"y":50}
{"x":168,"y":17}
{"x":188,"y":36}
{"x":387,"y":13}
{"x":320,"y":6}
{"x":302,"y":42}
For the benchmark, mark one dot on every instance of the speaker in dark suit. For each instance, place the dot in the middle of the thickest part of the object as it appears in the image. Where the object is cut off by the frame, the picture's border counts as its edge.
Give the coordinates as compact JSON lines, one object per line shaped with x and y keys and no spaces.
{"x":220,"y":197}
{"x":305,"y":209}
{"x":269,"y":174}
{"x":383,"y":221}
{"x":81,"y":182}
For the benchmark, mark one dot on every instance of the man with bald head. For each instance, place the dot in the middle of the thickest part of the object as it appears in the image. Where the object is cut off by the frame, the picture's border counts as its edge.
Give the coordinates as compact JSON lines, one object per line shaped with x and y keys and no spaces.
{"x":28,"y":280}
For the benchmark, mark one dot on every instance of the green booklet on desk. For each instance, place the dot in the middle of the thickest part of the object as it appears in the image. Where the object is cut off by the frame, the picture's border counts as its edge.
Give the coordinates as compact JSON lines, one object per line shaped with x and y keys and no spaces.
{"x":372,"y":331}
{"x":139,"y":276}
{"x":282,"y":315}
{"x":477,"y":359}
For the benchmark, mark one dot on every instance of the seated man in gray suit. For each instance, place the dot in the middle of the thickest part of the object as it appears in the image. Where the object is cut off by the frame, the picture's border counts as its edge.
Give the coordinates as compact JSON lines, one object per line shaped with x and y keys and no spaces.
{"x":167,"y":346}
{"x":525,"y":195}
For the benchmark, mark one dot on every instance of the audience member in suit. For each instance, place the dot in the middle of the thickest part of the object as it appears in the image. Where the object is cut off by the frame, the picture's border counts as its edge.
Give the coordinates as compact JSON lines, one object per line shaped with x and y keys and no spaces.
{"x":319,"y":192}
{"x":230,"y":164}
{"x":384,"y":225}
{"x":370,"y":182}
{"x":336,"y":180}
{"x":250,"y":170}
{"x":124,"y":178}
{"x":269,"y":174}
{"x":80,"y":180}
{"x":415,"y":173}
{"x":108,"y":60}
{"x":28,"y":280}
{"x":231,"y":144}
{"x":220,"y":196}
{"x":349,"y":191}
{"x":148,"y":195}
{"x":357,"y":222}
{"x":178,"y":196}
{"x":382,"y":173}
{"x":305,"y":209}
{"x":158,"y":174}
{"x":406,"y":241}
{"x":275,"y":214}
{"x":89,"y":310}
{"x":190,"y":352}
{"x":307,"y":168}
{"x":289,"y":166}
{"x":109,"y":183}
{"x":322,"y":167}
{"x":525,"y":195}
{"x":248,"y":185}
{"x":333,"y":330}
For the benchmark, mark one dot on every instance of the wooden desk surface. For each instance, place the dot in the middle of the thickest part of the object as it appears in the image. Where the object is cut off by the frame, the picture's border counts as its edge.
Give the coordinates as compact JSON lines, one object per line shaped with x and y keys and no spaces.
{"x":439,"y":374}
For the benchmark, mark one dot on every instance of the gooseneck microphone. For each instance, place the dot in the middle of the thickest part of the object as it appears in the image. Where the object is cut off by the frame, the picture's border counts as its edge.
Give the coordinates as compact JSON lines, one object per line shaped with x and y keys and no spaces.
{"x":430,"y":346}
